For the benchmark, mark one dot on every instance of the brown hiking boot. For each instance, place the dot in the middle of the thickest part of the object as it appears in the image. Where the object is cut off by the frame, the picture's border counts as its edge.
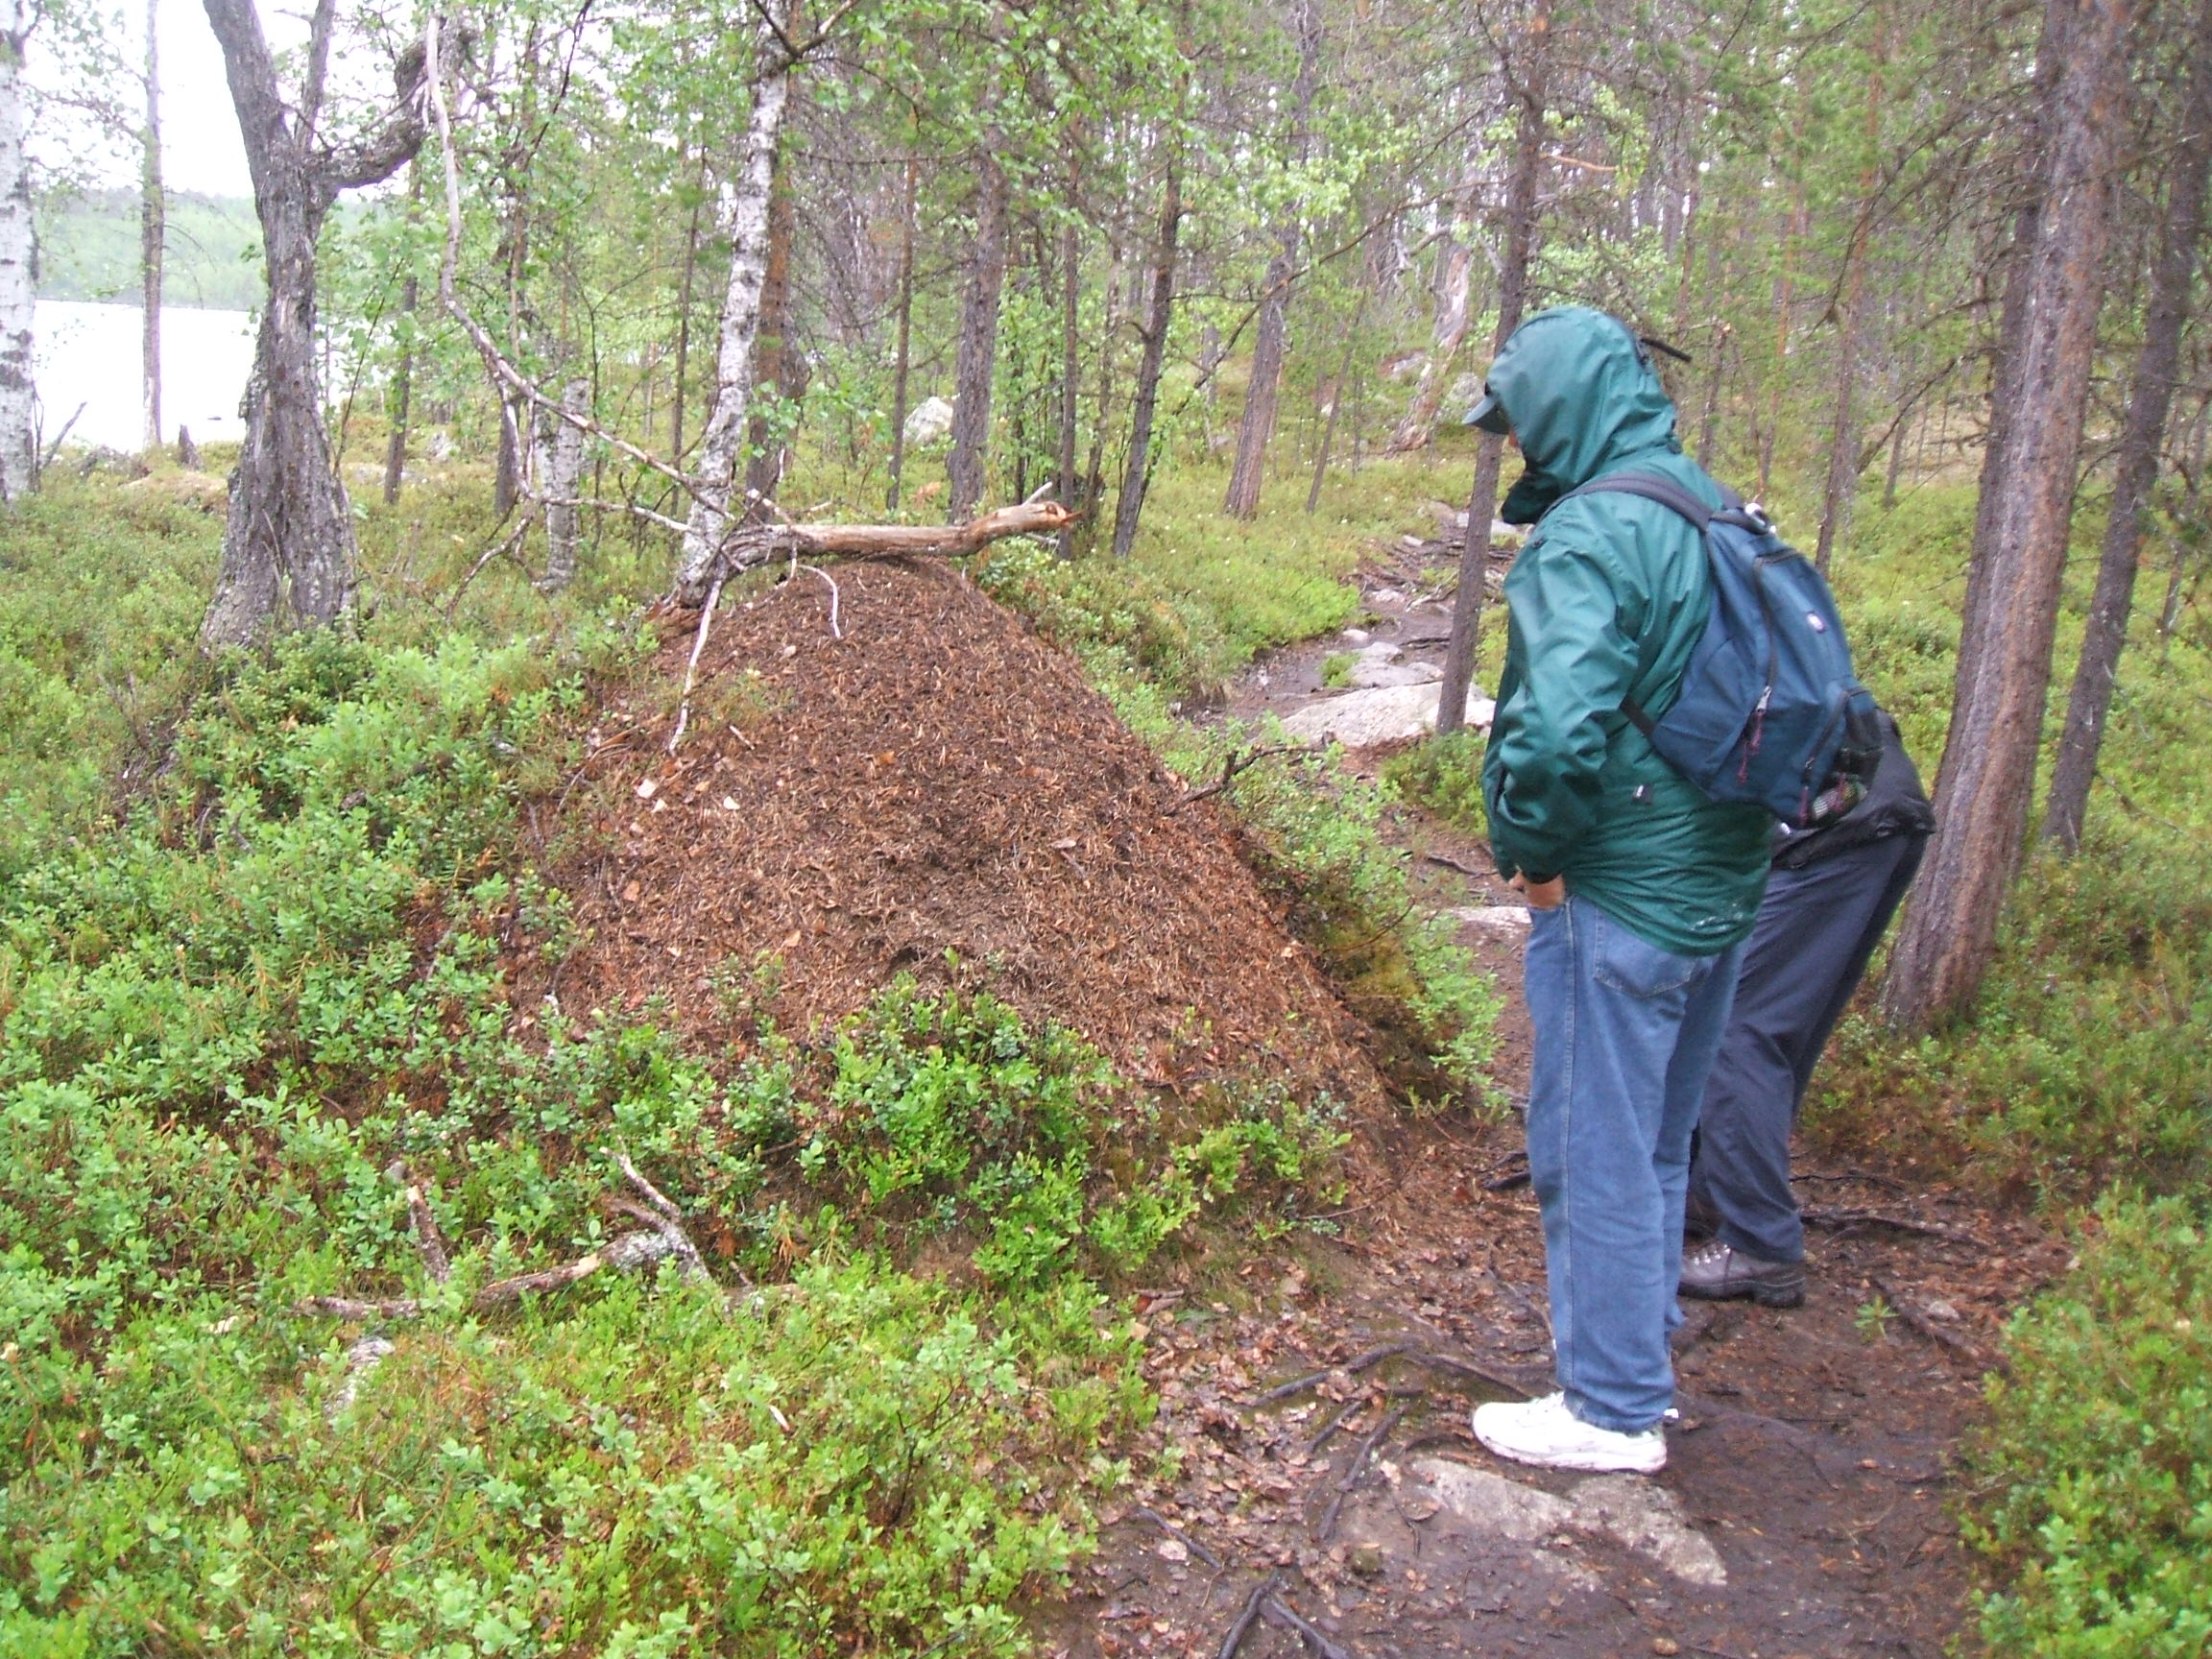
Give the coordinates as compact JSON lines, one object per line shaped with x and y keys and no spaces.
{"x":1720,"y":1272}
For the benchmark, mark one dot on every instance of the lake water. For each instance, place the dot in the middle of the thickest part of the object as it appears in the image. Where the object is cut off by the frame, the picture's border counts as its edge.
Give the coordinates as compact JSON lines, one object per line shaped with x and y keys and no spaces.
{"x":89,"y":354}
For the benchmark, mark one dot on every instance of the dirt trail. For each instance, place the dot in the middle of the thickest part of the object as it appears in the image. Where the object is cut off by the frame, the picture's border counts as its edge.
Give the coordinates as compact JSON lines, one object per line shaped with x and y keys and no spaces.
{"x":1807,"y":1509}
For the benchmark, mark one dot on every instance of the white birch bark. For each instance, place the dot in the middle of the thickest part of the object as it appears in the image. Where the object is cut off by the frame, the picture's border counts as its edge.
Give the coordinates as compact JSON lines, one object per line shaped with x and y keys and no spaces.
{"x":744,"y":200}
{"x":564,"y":478}
{"x":18,"y":265}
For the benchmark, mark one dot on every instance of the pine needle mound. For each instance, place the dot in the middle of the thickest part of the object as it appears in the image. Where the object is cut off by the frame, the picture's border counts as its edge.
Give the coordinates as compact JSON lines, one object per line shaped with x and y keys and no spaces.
{"x":937,"y":793}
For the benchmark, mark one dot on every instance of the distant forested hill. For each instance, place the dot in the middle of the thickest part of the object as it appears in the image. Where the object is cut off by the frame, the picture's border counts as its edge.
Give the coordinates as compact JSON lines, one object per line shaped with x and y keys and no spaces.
{"x":89,"y":249}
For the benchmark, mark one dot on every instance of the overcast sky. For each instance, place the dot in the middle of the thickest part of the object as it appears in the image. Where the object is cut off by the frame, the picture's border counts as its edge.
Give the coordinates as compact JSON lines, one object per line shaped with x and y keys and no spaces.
{"x":200,"y":147}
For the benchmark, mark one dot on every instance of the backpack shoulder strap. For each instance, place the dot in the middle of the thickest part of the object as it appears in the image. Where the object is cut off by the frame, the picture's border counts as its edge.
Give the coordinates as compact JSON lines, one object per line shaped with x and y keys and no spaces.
{"x":1664,"y":491}
{"x":1675,"y":498}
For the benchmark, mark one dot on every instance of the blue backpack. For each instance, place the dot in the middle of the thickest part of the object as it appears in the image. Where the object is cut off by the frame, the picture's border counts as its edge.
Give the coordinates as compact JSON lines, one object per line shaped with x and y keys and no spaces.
{"x":1768,"y":711}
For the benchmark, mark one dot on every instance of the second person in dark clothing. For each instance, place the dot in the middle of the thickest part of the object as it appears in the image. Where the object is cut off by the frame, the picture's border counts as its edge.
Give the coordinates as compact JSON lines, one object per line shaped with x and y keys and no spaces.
{"x":1831,"y":892}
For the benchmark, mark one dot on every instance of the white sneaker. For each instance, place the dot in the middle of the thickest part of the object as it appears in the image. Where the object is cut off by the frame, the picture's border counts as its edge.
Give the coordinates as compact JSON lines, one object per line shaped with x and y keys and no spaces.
{"x":1546,"y":1434}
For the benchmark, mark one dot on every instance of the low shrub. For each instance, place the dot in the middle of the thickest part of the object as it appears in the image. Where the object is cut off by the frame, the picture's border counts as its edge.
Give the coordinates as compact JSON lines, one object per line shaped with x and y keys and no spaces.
{"x":2092,"y":1509}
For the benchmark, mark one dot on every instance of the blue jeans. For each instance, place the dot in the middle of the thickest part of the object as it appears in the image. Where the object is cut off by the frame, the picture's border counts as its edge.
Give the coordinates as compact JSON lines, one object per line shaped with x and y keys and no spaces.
{"x":1625,"y":1033}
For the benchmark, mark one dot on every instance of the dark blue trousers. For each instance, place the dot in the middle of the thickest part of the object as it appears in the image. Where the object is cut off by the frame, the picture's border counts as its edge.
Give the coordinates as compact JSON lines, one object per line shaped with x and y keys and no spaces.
{"x":1818,"y":926}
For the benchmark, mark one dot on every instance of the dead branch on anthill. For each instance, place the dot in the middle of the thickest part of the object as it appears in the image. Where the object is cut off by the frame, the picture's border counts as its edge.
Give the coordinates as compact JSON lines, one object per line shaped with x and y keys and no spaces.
{"x":664,"y":1241}
{"x":1237,"y":761}
{"x":752,"y":545}
{"x":625,"y":1255}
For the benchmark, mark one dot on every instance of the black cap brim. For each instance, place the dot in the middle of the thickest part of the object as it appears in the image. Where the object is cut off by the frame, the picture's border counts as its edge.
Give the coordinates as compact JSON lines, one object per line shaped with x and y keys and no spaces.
{"x":1489,"y":416}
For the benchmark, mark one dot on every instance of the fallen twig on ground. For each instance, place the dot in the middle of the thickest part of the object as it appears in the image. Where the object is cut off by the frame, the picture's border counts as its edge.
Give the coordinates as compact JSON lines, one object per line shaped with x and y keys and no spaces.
{"x":1276,"y":1611}
{"x":670,"y":1222}
{"x":1262,"y":1592}
{"x":1820,"y":1217}
{"x":626,"y":1254}
{"x":1359,"y":1467}
{"x":1920,"y":1324}
{"x":1469,"y":1368}
{"x":1180,"y":1536}
{"x":1454,"y":864}
{"x":1354,"y":1365}
{"x":691,"y":668}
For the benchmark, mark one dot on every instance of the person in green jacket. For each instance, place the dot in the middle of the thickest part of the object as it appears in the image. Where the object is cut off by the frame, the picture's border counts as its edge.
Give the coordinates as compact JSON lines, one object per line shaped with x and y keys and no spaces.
{"x":1641,"y":889}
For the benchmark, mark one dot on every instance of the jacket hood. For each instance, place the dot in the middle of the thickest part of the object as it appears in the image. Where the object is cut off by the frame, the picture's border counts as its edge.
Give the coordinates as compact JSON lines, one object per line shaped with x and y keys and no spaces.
{"x":1583,"y":400}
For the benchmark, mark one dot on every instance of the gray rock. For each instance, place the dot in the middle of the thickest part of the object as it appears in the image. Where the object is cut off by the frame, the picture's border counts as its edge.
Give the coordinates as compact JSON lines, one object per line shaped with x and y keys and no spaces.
{"x":1629,"y":1509}
{"x":1384,"y":714}
{"x":929,"y":422}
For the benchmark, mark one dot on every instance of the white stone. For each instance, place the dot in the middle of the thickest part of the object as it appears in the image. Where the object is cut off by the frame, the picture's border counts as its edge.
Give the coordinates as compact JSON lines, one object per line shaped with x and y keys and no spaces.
{"x":1647,"y":1518}
{"x":1384,"y":714}
{"x":1494,"y":1505}
{"x":1356,"y":636}
{"x":1632,"y":1511}
{"x":929,"y":422}
{"x":1500,"y":918}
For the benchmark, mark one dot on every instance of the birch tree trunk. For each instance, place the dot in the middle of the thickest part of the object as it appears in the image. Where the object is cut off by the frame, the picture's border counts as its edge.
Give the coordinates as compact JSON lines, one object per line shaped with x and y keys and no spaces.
{"x":975,"y":356}
{"x":1452,"y":304}
{"x":1533,"y":75}
{"x":152,"y":235}
{"x":18,"y":267}
{"x":288,"y":549}
{"x":1136,"y":476}
{"x":745,"y":216}
{"x":2148,"y":400}
{"x":564,"y":483}
{"x":2004,"y":674}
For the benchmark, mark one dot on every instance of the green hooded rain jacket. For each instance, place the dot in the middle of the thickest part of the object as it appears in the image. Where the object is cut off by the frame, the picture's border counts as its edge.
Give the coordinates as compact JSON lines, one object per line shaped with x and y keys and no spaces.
{"x":1606,"y":602}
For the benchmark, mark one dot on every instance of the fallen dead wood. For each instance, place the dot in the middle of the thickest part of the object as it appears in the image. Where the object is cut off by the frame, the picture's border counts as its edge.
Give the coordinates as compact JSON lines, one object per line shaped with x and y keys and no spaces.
{"x":760,"y":544}
{"x":626,"y":1254}
{"x":1237,"y":761}
{"x":666,"y":1240}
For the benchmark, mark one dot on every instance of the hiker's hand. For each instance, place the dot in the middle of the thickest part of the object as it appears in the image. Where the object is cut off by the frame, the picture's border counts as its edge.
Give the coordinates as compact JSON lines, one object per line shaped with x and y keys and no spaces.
{"x":1541,"y":895}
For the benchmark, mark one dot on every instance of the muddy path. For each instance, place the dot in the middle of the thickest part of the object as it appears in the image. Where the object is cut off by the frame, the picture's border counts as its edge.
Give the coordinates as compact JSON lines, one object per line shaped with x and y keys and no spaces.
{"x":1315,"y":1488}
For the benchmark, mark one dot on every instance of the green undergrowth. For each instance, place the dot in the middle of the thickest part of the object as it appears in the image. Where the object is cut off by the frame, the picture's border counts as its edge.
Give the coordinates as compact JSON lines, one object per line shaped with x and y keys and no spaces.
{"x":238,"y":1022}
{"x":2092,"y":1510}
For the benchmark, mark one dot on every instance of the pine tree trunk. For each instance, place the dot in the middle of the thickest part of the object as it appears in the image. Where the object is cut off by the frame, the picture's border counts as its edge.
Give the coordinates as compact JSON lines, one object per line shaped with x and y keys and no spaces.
{"x":1136,"y":476}
{"x":2150,"y":399}
{"x":684,"y":319}
{"x":2004,"y":671}
{"x":152,"y":215}
{"x":975,"y":356}
{"x":1258,"y":424}
{"x":902,"y":360}
{"x":745,"y":213}
{"x":18,"y":271}
{"x":1065,"y":487}
{"x":1844,"y":435}
{"x":771,"y":350}
{"x":1534,"y":76}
